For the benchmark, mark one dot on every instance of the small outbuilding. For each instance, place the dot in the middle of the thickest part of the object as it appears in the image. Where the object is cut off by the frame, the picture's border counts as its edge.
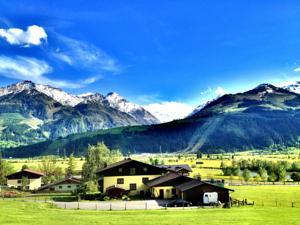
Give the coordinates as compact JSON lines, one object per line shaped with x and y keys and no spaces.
{"x":197,"y":191}
{"x":32,"y":178}
{"x":67,"y":184}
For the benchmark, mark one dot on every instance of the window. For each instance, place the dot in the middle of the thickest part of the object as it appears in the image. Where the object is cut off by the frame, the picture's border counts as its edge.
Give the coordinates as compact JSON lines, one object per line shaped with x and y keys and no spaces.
{"x":69,"y":186}
{"x":19,"y":181}
{"x":120,"y":181}
{"x":145,"y":169}
{"x":60,"y":187}
{"x":132,"y":187}
{"x":145,"y":180}
{"x":120,"y":170}
{"x":132,"y":171}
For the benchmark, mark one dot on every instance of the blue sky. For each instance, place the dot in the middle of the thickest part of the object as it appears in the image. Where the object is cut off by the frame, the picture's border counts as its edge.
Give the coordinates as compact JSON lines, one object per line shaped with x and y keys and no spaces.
{"x":184,"y":52}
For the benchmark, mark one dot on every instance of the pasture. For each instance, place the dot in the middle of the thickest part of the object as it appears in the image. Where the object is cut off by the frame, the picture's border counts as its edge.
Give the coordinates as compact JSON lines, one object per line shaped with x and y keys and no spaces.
{"x":208,"y":166}
{"x":24,"y":213}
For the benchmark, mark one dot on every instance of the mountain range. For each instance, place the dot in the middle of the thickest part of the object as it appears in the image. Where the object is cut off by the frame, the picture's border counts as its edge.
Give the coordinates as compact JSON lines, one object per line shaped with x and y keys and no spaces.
{"x":30,"y":113}
{"x":266,"y":117}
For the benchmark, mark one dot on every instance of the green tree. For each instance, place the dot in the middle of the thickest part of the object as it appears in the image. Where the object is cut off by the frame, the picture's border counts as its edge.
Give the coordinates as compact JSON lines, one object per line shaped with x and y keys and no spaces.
{"x":50,"y":169}
{"x":236,"y":171}
{"x":281,"y":173}
{"x":272,"y":177}
{"x":24,"y":167}
{"x":98,"y":157}
{"x":5,"y":169}
{"x":24,"y":182}
{"x":263,"y":174}
{"x":246,"y":175}
{"x":70,"y":170}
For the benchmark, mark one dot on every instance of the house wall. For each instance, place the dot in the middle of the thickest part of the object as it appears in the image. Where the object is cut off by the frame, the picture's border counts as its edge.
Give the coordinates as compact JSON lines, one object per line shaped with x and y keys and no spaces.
{"x":138,"y":180}
{"x":65,"y":187}
{"x":167,"y":192}
{"x":34,"y":184}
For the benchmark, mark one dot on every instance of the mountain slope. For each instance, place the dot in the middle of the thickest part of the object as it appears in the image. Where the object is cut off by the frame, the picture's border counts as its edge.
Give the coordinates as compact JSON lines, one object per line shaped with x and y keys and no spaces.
{"x":265,"y":117}
{"x":31,"y":113}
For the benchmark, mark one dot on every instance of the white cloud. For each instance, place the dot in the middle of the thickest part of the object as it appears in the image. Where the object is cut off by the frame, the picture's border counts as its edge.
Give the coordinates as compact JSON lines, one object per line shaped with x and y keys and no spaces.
{"x":168,"y":111}
{"x":220,"y":91}
{"x":80,"y":54}
{"x":63,"y":57}
{"x":26,"y":68}
{"x":92,"y":79}
{"x":297,"y":69}
{"x":34,"y":35}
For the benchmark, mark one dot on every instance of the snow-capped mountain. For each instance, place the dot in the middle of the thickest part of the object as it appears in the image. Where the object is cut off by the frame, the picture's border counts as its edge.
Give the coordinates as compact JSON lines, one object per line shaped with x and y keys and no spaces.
{"x":33,"y":112}
{"x":116,"y":101}
{"x":293,"y":87}
{"x":55,"y":93}
{"x":112,"y":99}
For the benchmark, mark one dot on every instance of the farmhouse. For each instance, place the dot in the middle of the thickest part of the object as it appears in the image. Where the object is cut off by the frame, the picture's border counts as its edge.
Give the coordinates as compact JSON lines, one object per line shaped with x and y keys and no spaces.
{"x":67,"y":184}
{"x":32,"y":178}
{"x":161,"y":182}
{"x":128,"y":174}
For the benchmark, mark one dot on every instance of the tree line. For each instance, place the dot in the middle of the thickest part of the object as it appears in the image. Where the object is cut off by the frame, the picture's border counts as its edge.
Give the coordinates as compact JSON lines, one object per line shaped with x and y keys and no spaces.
{"x":265,"y":170}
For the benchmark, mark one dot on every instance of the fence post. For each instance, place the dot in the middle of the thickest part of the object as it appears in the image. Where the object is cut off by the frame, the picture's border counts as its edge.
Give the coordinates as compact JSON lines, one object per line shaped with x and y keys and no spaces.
{"x":78,"y":205}
{"x":146,"y":206}
{"x":292,"y":204}
{"x":166,"y":206}
{"x":65,"y":205}
{"x":110,"y":207}
{"x":125,"y":206}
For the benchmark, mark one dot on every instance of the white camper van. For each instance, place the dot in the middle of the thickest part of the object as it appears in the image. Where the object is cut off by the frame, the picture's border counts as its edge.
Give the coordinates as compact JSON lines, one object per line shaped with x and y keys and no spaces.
{"x":210,"y":198}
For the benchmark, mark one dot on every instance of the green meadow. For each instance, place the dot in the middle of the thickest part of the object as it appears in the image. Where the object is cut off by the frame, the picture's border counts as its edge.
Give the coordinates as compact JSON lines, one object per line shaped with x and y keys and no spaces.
{"x":25,"y":213}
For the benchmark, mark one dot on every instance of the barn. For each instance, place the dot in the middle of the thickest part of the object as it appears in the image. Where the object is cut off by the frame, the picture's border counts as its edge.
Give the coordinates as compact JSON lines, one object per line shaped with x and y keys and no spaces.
{"x":194,"y":191}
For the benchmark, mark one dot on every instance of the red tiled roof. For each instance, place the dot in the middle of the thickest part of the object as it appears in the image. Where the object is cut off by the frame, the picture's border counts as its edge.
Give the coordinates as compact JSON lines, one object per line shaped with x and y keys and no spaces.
{"x":34,"y":172}
{"x":27,"y":171}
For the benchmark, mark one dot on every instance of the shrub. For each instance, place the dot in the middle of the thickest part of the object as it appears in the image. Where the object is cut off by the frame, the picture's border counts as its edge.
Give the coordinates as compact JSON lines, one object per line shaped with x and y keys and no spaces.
{"x":125,"y":197}
{"x":295,"y":176}
{"x":106,"y":198}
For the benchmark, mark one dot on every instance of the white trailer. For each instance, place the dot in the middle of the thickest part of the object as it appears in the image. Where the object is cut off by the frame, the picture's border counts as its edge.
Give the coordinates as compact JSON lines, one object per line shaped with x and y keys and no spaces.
{"x":210,"y":198}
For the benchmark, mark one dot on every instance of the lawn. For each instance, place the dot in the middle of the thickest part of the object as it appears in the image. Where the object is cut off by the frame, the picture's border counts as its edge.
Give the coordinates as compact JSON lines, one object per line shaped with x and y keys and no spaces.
{"x":19,"y":213}
{"x":268,"y":195}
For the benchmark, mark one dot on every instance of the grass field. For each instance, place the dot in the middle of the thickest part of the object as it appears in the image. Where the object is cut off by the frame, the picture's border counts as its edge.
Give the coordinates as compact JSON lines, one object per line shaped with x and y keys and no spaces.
{"x":284,"y":195}
{"x":25,"y":213}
